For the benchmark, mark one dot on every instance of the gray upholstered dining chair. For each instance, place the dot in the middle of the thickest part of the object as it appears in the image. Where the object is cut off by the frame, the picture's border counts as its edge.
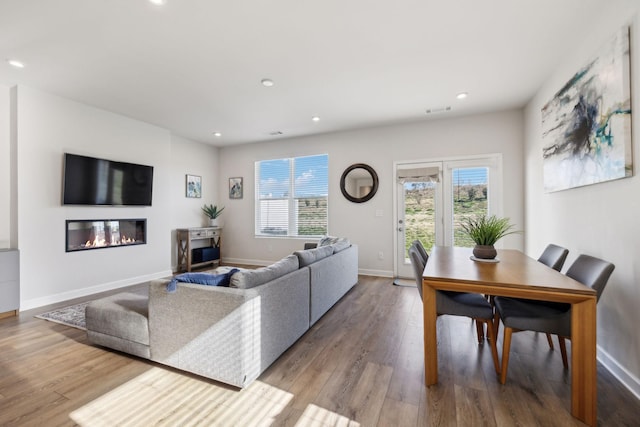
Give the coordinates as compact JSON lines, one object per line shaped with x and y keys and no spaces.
{"x":422,"y":251}
{"x":554,"y":256}
{"x":465,"y":304}
{"x":549,"y":317}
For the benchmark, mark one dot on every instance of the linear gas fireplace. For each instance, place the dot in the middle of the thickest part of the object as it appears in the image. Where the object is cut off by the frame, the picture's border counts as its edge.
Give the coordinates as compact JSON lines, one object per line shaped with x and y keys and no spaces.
{"x":84,"y":234}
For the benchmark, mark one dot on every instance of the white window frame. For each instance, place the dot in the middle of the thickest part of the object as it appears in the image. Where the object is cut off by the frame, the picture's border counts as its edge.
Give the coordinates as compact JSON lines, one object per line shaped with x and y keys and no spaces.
{"x":495,"y":203}
{"x":493,"y":162}
{"x":292,"y":223}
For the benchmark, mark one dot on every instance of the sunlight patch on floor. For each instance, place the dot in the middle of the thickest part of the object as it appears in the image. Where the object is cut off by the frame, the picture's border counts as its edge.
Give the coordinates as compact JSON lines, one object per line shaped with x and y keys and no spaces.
{"x":315,"y":416}
{"x":163,"y":397}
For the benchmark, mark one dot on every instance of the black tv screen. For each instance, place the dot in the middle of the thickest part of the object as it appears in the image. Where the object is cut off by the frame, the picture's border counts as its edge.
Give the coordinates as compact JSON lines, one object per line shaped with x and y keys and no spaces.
{"x":91,"y":181}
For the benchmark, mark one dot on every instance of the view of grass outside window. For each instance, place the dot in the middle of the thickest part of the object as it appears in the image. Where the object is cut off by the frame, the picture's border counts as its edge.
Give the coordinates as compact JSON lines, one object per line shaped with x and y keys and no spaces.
{"x":291,"y":196}
{"x":469,"y":198}
{"x":420,"y":214}
{"x":470,"y":192}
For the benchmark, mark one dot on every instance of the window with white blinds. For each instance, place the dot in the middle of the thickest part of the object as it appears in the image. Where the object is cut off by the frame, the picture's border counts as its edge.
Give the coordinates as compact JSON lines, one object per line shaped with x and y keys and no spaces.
{"x":469,"y":198}
{"x":291,"y":196}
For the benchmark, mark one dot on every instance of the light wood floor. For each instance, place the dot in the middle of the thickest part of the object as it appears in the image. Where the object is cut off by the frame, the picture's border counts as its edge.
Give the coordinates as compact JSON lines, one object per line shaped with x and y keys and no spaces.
{"x":360,"y":365}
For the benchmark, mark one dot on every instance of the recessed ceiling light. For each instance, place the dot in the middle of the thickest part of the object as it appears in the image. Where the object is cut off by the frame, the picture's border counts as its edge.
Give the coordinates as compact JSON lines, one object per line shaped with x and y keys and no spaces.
{"x":217,"y":134}
{"x":462,"y":95}
{"x":158,"y":2}
{"x":15,"y":63}
{"x":267,"y":82}
{"x":315,"y":118}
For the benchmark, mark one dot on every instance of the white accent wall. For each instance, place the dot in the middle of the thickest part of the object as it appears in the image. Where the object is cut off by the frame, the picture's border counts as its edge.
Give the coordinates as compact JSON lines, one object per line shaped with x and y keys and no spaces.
{"x":500,"y":132}
{"x":48,"y":126}
{"x":599,"y":220}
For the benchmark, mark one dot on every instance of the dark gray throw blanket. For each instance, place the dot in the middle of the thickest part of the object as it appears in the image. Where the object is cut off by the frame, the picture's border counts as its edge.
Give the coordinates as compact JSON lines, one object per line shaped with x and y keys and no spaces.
{"x":207,"y":279}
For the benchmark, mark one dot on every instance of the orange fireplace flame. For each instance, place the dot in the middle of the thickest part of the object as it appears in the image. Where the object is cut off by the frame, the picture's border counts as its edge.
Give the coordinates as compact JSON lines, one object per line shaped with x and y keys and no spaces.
{"x":98,"y":242}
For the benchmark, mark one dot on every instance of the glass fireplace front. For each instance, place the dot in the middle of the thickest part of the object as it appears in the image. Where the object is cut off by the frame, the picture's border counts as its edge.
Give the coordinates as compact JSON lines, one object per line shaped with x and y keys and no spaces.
{"x":85,"y":234}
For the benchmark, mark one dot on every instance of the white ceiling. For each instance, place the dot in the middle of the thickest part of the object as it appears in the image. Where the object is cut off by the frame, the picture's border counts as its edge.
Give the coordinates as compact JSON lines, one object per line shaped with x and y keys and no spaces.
{"x":194,"y":66}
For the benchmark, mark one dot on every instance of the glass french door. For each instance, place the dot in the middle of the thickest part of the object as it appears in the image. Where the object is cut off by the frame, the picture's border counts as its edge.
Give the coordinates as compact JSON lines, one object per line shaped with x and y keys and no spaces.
{"x":419,"y":213}
{"x":431,"y":209}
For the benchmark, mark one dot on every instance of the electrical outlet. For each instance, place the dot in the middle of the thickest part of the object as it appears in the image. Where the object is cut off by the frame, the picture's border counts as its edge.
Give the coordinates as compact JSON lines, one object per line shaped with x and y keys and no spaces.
{"x":380,"y":255}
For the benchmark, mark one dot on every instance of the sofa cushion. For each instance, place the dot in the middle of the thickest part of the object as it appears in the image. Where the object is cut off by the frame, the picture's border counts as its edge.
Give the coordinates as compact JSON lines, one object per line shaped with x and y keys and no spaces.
{"x":252,"y":278}
{"x":208,"y":279}
{"x":309,"y":256}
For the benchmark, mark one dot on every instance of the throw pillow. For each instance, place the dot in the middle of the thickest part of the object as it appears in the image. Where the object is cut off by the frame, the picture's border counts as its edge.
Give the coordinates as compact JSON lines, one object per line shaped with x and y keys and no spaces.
{"x":342,"y":244}
{"x":201,"y":279}
{"x":327,"y":240}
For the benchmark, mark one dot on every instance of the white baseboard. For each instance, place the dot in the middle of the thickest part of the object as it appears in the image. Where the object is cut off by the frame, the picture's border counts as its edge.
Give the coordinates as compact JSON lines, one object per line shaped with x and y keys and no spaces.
{"x":378,"y":273}
{"x":78,"y":293}
{"x":625,"y":377}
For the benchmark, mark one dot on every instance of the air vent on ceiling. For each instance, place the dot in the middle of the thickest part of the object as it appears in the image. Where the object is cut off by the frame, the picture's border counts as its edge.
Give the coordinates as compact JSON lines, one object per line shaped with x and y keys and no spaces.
{"x":439,"y":110}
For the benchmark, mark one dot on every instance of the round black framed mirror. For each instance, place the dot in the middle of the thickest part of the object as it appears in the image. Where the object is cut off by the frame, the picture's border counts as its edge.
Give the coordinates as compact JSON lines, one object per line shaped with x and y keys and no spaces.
{"x":359,"y":183}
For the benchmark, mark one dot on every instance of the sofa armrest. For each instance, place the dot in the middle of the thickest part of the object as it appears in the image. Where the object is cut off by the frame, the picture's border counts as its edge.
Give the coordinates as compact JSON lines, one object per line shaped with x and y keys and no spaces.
{"x":210,"y":331}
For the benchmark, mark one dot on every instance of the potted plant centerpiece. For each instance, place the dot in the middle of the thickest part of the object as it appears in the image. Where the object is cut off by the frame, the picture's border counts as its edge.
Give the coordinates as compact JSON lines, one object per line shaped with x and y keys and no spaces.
{"x":213,"y":213}
{"x":485,"y":232}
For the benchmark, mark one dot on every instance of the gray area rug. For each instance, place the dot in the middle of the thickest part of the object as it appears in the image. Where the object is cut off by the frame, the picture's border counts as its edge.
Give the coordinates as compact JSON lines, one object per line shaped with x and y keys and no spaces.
{"x":72,"y":315}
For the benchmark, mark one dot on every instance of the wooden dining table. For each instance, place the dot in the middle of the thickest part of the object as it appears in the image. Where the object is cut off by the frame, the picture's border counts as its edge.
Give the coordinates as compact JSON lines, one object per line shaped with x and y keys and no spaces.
{"x":516,"y":275}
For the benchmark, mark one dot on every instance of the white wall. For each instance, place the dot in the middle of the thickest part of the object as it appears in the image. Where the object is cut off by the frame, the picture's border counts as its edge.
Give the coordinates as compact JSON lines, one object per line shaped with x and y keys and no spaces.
{"x":600,"y":220}
{"x":379,"y":147}
{"x":5,"y":168}
{"x":188,"y":157}
{"x":48,"y":126}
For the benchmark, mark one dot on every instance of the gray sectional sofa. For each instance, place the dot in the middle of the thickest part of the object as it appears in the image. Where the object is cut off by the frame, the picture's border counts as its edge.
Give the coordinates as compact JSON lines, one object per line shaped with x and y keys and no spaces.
{"x":229,"y":334}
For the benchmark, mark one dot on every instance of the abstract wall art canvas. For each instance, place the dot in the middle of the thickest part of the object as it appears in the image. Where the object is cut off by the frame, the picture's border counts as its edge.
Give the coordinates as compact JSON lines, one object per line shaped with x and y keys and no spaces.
{"x":586,"y":126}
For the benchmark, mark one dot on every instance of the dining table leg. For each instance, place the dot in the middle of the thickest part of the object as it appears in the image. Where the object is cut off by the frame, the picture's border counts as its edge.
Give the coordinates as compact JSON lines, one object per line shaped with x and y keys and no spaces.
{"x":584,"y":400}
{"x":430,"y":334}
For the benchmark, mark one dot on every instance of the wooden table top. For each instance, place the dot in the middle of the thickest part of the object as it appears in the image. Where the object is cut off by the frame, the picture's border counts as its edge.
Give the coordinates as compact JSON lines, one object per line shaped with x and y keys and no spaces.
{"x":515,"y":271}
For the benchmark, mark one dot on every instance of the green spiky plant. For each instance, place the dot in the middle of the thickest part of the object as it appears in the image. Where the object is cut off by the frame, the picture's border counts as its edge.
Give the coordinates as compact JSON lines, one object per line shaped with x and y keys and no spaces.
{"x":487,"y":231}
{"x":212,"y":211}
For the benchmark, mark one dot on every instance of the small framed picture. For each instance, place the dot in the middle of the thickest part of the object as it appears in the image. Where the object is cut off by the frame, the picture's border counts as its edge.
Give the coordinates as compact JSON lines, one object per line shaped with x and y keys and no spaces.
{"x":235,"y":188}
{"x":194,"y":186}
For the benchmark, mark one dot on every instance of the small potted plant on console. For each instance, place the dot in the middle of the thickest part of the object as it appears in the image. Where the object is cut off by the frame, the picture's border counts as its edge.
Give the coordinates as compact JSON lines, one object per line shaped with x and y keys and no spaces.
{"x":213,"y":213}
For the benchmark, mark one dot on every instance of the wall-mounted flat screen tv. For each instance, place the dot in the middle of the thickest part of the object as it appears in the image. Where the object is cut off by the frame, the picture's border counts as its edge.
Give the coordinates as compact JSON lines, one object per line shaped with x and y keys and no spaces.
{"x":91,"y":181}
